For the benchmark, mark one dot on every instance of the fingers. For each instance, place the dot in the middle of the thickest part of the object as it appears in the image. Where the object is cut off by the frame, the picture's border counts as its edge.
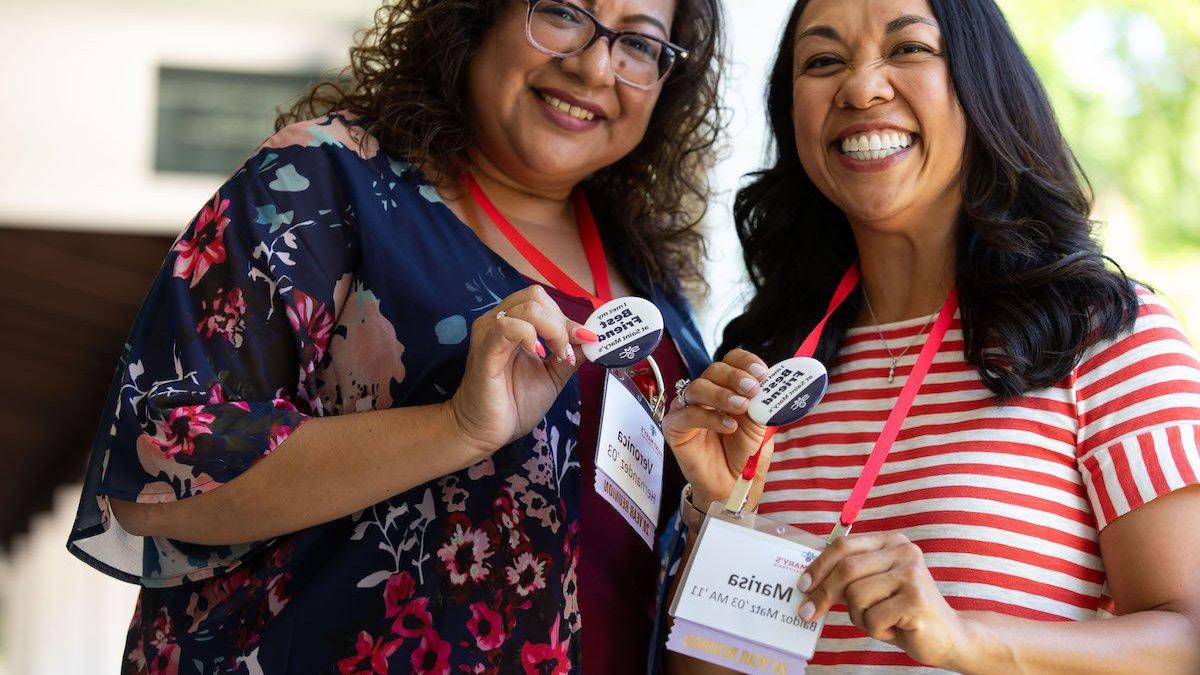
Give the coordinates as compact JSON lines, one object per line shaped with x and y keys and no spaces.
{"x":551,"y":325}
{"x":865,"y":593}
{"x":501,"y":338}
{"x":881,"y":619}
{"x":534,"y":305}
{"x":847,"y":560}
{"x":742,"y":360}
{"x":723,"y":388}
{"x":682,"y":420}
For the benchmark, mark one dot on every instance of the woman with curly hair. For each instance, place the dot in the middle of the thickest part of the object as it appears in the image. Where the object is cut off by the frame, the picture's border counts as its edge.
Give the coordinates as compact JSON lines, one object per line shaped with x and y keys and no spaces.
{"x":350,"y":432}
{"x":1037,"y":510}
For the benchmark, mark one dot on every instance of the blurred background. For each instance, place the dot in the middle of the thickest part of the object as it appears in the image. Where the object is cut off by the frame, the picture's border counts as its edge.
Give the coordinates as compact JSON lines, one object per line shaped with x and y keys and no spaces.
{"x":123,"y":116}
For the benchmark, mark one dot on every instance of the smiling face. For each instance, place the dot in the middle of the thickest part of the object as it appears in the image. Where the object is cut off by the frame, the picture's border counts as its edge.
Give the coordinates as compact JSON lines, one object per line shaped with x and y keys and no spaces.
{"x":879,"y":129}
{"x":550,"y":122}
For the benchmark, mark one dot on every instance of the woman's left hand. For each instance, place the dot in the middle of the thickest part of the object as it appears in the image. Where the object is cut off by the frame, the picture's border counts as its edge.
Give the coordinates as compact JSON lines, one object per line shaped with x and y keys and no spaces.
{"x":890,"y":594}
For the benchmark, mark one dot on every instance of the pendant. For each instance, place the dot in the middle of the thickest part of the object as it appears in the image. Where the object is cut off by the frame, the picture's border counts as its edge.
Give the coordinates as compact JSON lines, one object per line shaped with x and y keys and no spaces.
{"x":892,"y":373}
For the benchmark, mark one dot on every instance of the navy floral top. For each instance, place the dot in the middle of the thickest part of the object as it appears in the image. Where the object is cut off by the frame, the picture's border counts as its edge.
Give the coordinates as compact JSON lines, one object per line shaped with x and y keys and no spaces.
{"x":326,"y":278}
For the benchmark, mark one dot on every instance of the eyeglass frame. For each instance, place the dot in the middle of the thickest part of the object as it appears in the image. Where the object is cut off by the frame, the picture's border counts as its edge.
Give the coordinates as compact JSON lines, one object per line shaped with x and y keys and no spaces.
{"x":599,"y":30}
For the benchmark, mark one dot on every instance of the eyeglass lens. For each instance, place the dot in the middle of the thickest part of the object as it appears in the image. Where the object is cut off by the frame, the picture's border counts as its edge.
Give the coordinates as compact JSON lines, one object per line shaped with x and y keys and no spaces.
{"x":563,"y":30}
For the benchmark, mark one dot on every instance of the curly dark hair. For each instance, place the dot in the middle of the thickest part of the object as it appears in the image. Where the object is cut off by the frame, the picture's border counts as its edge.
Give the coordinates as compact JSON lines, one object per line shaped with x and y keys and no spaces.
{"x":1036,"y":291}
{"x":407,"y":76}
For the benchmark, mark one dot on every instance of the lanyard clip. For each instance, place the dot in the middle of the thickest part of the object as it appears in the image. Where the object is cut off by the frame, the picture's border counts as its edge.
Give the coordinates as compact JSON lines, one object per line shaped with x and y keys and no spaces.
{"x":737,"y":497}
{"x":839,"y":531}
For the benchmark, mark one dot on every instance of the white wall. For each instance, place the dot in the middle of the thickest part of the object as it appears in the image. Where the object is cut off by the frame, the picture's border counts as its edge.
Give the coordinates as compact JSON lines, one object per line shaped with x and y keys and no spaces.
{"x":754,"y":28}
{"x":79,"y":84}
{"x":57,"y":614}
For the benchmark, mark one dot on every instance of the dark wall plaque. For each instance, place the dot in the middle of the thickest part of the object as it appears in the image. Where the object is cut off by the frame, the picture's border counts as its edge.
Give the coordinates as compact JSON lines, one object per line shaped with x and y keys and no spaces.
{"x":210,"y":121}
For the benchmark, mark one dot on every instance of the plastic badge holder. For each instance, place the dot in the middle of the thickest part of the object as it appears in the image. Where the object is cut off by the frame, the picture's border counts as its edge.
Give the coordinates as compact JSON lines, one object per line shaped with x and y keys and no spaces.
{"x":737,"y":603}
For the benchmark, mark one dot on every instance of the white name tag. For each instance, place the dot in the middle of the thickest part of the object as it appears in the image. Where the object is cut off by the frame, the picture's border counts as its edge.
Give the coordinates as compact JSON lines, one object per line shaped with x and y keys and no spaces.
{"x":629,"y":455}
{"x":737,"y":604}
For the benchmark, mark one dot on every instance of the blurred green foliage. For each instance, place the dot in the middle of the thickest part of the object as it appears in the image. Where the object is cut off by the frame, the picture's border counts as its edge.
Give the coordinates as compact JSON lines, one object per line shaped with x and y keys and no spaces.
{"x":1124,"y":78}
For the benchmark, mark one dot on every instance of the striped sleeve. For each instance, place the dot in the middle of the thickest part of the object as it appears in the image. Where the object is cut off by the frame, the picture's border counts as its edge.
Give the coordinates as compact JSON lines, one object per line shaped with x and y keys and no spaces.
{"x":1138,"y":407}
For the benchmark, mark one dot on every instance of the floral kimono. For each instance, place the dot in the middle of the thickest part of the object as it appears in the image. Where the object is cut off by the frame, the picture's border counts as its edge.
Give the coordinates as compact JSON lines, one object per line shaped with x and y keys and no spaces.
{"x":325,"y":278}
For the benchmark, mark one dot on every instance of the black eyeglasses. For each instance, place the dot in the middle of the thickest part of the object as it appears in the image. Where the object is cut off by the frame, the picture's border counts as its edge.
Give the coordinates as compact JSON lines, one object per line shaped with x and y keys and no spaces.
{"x":560,"y":29}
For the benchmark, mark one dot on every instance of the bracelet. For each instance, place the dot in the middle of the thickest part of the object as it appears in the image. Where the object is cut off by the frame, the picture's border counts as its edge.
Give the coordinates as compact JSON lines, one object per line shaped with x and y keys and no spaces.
{"x":689,"y":514}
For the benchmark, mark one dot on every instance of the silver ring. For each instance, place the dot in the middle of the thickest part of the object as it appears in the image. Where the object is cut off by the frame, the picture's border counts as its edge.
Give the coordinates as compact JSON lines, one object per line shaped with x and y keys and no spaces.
{"x":681,"y":386}
{"x":501,"y":314}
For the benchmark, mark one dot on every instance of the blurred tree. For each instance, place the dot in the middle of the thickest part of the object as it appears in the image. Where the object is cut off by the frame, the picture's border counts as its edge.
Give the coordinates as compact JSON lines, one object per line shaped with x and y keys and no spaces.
{"x":1124,"y":78}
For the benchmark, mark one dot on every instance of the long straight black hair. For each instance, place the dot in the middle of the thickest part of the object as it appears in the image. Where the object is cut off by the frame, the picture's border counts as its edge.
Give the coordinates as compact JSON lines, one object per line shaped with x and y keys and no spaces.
{"x":1035,"y":289}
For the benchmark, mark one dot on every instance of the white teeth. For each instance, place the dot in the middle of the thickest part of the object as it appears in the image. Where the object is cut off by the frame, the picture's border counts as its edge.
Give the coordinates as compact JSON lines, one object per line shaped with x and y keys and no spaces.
{"x":875,"y":146}
{"x":562,"y":106}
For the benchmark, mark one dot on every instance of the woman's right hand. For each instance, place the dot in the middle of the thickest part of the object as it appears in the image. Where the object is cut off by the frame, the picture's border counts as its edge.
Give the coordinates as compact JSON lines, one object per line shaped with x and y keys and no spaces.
{"x":713,"y":437}
{"x":511,"y":379}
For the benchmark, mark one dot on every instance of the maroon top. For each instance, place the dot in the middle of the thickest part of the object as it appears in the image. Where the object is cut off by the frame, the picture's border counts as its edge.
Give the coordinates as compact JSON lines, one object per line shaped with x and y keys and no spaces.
{"x":617,"y":571}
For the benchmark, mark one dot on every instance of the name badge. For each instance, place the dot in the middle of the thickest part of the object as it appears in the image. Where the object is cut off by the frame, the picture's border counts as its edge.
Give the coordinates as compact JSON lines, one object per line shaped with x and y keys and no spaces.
{"x":629,"y":455}
{"x":737,"y":605}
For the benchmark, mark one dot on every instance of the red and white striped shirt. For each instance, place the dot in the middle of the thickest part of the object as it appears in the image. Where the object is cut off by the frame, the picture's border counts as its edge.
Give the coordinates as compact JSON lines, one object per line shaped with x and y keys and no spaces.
{"x":1006,"y":501}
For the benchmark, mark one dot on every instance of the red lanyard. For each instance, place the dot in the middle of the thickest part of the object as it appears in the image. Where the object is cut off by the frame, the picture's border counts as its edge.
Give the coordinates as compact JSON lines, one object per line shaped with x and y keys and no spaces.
{"x":589,"y":235}
{"x":908,"y":393}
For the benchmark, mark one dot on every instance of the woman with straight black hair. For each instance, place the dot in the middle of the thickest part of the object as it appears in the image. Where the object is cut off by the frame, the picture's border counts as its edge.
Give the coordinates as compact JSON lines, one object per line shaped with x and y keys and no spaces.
{"x":1045,"y":476}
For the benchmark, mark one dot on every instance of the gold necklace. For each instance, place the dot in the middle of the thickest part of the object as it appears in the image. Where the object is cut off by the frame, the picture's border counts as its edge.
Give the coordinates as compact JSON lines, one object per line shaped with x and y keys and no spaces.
{"x":893,"y":357}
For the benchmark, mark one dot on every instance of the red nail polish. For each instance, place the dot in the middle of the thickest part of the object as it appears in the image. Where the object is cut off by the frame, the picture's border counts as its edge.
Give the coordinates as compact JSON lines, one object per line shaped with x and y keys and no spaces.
{"x":541,"y":351}
{"x":586,"y":335}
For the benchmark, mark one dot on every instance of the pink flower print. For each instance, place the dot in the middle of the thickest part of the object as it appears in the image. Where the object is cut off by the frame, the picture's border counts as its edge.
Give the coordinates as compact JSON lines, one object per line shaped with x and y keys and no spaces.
{"x":484,"y":468}
{"x":225,"y":315}
{"x":370,"y":655}
{"x":414,"y":619}
{"x":527,"y":573}
{"x":162,"y":632}
{"x":165,"y":662}
{"x":508,"y":518}
{"x":180,"y":431}
{"x":538,"y":508}
{"x":432,"y":655}
{"x":487,"y":626}
{"x":217,"y":395}
{"x":311,"y":320}
{"x":204,"y":248}
{"x":399,"y":589}
{"x":277,"y":597}
{"x":137,"y":656}
{"x":465,"y":554}
{"x":162,"y":638}
{"x":283,"y":400}
{"x":546,"y":659}
{"x":541,"y":471}
{"x":570,"y":586}
{"x":279,"y":433}
{"x":454,"y":496}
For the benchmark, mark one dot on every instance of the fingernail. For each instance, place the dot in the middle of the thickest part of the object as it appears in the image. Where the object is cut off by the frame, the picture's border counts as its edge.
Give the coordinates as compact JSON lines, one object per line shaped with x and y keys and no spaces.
{"x":541,"y":351}
{"x":807,"y":610}
{"x":728,"y":422}
{"x":757,"y":370}
{"x":737,"y":401}
{"x":747,"y":384}
{"x":804,"y":582}
{"x":586,"y":335}
{"x":571,"y":356}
